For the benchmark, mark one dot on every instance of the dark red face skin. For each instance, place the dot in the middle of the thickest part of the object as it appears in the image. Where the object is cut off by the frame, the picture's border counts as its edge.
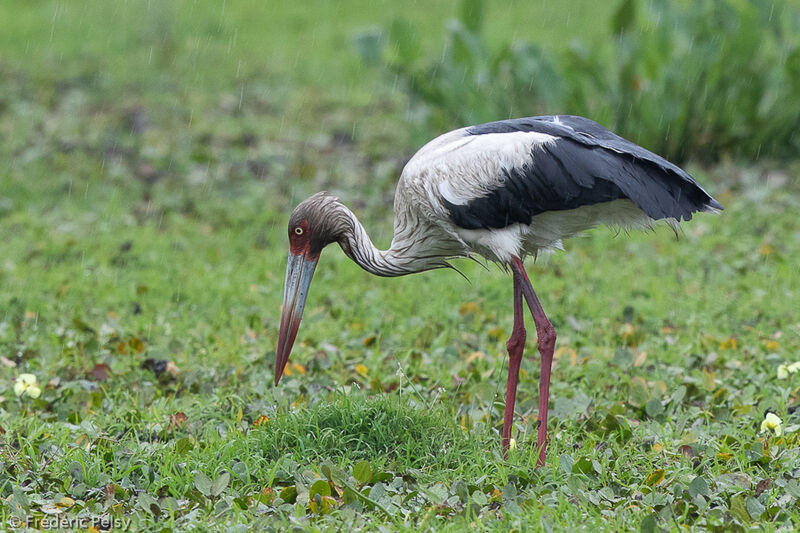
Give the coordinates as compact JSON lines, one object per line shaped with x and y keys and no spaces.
{"x":300,"y":239}
{"x":303,"y":242}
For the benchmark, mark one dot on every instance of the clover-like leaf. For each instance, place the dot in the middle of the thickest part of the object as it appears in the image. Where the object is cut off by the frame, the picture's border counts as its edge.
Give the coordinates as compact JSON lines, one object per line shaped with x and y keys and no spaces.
{"x":362,"y":471}
{"x":202,"y":483}
{"x":321,"y":487}
{"x":699,"y":486}
{"x":220,"y":484}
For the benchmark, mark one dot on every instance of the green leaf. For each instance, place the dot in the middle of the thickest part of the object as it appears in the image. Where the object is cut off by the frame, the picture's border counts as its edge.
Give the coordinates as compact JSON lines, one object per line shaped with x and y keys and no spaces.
{"x":479,"y":498}
{"x":653,"y":408}
{"x":570,"y":408}
{"x":326,"y":471}
{"x":81,"y":325}
{"x":719,"y":397}
{"x":377,"y":492}
{"x":623,"y":358}
{"x":583,"y":466}
{"x":202,"y":483}
{"x":369,"y":46}
{"x":404,"y":40}
{"x":289,"y":494}
{"x":147,"y":503}
{"x":648,"y":524}
{"x":677,"y":396}
{"x":183,"y":445}
{"x":468,"y":51}
{"x":509,"y":493}
{"x":459,"y":488}
{"x":350,"y":496}
{"x":78,"y":490}
{"x":624,"y":17}
{"x":628,"y":314}
{"x":793,"y":67}
{"x":362,"y":472}
{"x":242,"y":502}
{"x":76,"y":470}
{"x":734,"y":481}
{"x":19,"y":501}
{"x":656,"y":477}
{"x":792,"y":487}
{"x":698,"y":486}
{"x":321,"y":487}
{"x":436,"y":493}
{"x":381,"y":476}
{"x":471,"y":14}
{"x":754,"y":508}
{"x":565,"y":462}
{"x":240,"y":469}
{"x":616,"y":426}
{"x":220,"y":484}
{"x":738,"y":509}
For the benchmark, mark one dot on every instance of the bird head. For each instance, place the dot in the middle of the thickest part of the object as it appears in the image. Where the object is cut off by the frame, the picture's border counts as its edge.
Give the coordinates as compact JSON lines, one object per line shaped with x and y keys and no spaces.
{"x":314,"y":224}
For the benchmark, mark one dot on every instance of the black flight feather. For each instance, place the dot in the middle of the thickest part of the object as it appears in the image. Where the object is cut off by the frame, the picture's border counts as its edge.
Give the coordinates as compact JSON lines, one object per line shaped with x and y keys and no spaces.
{"x":586,"y":165}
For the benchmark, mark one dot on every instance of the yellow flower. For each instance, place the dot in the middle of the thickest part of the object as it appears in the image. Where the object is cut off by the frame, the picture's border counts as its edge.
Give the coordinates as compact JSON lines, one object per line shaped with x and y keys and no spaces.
{"x":772,"y":422}
{"x":27,"y":385}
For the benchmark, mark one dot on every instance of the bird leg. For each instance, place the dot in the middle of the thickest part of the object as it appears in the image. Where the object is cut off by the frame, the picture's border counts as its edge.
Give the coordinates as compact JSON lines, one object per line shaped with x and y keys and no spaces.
{"x":515,"y":345}
{"x":546,"y":339}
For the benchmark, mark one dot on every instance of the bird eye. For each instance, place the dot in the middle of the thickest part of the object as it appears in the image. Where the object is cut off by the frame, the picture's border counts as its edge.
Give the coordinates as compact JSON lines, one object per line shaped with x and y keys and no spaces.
{"x":298,"y":230}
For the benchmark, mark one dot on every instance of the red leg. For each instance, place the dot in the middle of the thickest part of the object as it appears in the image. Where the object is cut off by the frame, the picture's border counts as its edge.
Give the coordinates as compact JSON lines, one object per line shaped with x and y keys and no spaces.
{"x":515,"y":345}
{"x":546,"y":339}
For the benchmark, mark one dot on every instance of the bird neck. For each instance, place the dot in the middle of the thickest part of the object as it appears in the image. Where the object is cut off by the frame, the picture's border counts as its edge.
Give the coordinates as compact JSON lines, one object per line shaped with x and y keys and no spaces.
{"x":398,"y":260}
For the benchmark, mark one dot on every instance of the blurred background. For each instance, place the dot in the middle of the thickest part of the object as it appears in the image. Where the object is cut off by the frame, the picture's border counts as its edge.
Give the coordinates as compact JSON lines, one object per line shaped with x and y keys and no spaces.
{"x":174,"y":100}
{"x":151,"y":153}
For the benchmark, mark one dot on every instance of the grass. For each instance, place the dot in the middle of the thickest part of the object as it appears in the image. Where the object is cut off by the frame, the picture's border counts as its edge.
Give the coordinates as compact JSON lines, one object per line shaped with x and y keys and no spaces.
{"x":143,"y":218}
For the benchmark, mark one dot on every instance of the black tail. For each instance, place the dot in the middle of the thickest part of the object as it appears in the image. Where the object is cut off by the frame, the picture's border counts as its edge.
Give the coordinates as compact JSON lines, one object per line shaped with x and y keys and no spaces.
{"x":660,"y":190}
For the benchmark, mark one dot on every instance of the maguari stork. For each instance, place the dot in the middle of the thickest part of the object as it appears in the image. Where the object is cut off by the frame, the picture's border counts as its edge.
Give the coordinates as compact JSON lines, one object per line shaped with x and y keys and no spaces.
{"x":504,"y":190}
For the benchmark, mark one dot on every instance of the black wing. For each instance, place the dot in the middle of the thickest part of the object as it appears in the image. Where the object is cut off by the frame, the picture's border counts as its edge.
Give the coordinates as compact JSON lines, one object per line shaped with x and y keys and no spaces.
{"x":586,"y":165}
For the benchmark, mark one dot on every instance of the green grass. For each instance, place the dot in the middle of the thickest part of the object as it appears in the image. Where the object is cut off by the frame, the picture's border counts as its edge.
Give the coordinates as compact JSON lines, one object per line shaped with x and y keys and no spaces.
{"x":143,"y":219}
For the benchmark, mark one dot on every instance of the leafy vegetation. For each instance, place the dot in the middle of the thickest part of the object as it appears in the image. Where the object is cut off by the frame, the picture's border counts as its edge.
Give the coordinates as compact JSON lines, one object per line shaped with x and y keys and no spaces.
{"x":689,"y":80}
{"x":143,"y":210}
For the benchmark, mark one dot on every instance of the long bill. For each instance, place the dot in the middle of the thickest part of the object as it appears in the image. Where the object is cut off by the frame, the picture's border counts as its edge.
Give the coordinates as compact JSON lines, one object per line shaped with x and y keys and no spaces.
{"x":299,"y":271}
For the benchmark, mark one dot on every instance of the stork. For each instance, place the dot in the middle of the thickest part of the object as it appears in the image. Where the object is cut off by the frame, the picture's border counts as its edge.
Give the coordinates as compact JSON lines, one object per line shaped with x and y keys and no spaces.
{"x":504,"y":190}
